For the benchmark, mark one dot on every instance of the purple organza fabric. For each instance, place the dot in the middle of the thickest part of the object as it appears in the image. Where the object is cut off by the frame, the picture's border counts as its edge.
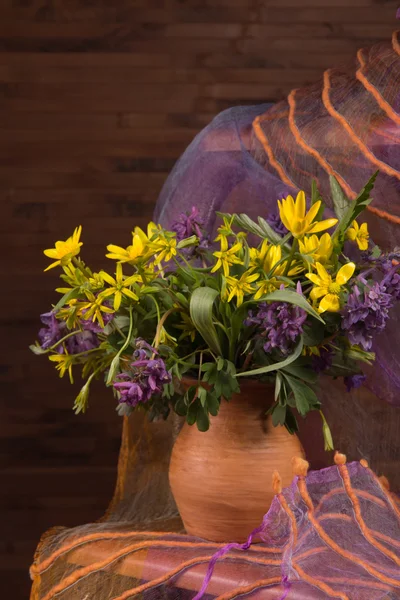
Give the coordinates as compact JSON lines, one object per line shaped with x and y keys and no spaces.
{"x":223,"y":170}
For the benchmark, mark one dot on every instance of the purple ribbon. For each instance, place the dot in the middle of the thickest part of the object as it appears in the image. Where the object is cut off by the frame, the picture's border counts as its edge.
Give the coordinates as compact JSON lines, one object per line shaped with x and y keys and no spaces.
{"x":224,"y":550}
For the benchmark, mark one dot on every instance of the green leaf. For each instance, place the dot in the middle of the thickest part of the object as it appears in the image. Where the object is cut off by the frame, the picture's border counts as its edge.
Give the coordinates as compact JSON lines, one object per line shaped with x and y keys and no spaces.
{"x":114,"y":369}
{"x":291,"y":296}
{"x":276,"y":366}
{"x":302,"y":372}
{"x":278,"y":385}
{"x":262,"y":230}
{"x":207,"y":366}
{"x":304,"y":396}
{"x":201,"y":311}
{"x":182,"y":299}
{"x":269,"y":233}
{"x":376,"y":252}
{"x":202,"y":420}
{"x":315,"y":195}
{"x":313,"y":333}
{"x":202,"y":394}
{"x":212,"y":403}
{"x":74,"y":293}
{"x":190,"y":241}
{"x":36,"y":349}
{"x":181,"y":407}
{"x":278,"y":415}
{"x":340,"y":201}
{"x":191,"y":416}
{"x":291,"y":422}
{"x":355,"y":208}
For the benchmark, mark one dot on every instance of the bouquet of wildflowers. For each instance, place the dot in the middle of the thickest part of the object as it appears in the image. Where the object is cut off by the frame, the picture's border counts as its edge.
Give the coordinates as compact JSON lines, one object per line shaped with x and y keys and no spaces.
{"x":277,"y":300}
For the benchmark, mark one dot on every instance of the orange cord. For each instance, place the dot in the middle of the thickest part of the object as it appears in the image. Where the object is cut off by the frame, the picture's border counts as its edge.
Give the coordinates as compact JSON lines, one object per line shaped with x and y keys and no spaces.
{"x":319,"y":584}
{"x":262,"y":138}
{"x":334,"y":546}
{"x":291,"y":516}
{"x":350,"y":131}
{"x":385,"y":106}
{"x":246,"y":589}
{"x":314,"y":153}
{"x":189,"y":563}
{"x":45,"y":564}
{"x":360,"y":493}
{"x":358,"y":514}
{"x":99,"y":565}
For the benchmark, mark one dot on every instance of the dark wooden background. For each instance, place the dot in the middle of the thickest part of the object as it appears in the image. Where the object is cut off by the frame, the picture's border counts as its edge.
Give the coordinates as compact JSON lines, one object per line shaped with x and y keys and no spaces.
{"x":97,"y":100}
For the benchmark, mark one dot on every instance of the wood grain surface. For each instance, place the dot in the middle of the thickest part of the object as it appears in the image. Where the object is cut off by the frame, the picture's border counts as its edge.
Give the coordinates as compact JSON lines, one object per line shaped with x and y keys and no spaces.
{"x":97,"y":100}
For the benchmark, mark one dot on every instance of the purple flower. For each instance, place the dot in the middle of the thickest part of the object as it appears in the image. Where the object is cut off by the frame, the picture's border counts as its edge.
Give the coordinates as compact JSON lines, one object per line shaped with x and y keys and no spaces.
{"x":53,"y":331}
{"x":323,"y":361}
{"x":354,"y":381}
{"x":366,"y":314}
{"x":187,"y":225}
{"x":146,"y":376}
{"x":275,"y":221}
{"x":82,"y":342}
{"x":279,"y":323}
{"x":391,"y":279}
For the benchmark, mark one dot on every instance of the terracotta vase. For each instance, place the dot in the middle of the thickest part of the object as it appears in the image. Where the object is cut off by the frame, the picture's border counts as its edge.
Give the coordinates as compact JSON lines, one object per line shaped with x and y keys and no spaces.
{"x":222,"y":479}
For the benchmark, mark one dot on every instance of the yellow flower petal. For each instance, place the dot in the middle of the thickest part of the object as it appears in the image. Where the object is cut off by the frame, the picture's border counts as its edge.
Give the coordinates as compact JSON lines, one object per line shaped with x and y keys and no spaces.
{"x":312,"y":213}
{"x":110,"y":280}
{"x":117,"y":300}
{"x":314,"y":278}
{"x":330,"y":303}
{"x":130,"y":294}
{"x":323,"y":273}
{"x":317,"y":292}
{"x":345,"y":273}
{"x":362,"y":244}
{"x":321,"y":225}
{"x":300,"y":206}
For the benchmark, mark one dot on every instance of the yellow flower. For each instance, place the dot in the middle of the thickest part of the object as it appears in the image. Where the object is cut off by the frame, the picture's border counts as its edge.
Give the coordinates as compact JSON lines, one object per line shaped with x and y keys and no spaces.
{"x":294,"y":217}
{"x":64,"y":364}
{"x":319,"y":249}
{"x":165,"y":245}
{"x":119,"y":286}
{"x":266,"y":286}
{"x":227,"y":256}
{"x":327,"y":289}
{"x":225,"y":230}
{"x":188,"y":329}
{"x":94,"y":308}
{"x":65,"y":251}
{"x":129,"y":254}
{"x":240,"y":287}
{"x":166,"y":339}
{"x":359,"y":234}
{"x":96,"y":282}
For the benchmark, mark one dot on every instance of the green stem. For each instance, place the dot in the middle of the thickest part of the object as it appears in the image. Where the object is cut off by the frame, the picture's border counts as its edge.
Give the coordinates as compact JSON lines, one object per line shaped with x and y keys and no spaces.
{"x":54,"y":346}
{"x":82,"y":267}
{"x":293,"y":249}
{"x":161,"y":324}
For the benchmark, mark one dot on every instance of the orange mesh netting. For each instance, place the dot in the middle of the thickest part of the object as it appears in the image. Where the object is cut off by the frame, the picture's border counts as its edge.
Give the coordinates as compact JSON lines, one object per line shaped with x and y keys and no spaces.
{"x":348,"y":126}
{"x":334,"y":533}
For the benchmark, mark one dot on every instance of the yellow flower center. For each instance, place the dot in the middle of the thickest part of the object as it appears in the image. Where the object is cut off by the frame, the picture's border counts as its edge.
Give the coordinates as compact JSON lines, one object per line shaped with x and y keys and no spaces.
{"x":334,"y":288}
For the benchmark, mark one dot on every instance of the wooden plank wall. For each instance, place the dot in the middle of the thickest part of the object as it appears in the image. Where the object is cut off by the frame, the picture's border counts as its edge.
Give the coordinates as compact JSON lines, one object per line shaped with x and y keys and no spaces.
{"x":97,"y":100}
